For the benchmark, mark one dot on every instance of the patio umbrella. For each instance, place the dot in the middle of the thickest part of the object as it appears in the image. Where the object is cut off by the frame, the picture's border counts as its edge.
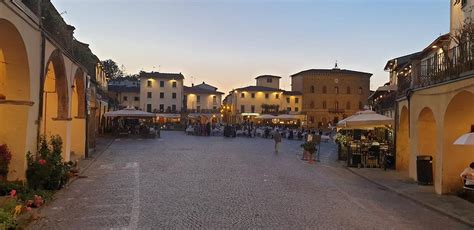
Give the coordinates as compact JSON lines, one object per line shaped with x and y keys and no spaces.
{"x":266,"y":117}
{"x":129,"y":112}
{"x":466,"y":139}
{"x":287,"y":117}
{"x":365,"y":119}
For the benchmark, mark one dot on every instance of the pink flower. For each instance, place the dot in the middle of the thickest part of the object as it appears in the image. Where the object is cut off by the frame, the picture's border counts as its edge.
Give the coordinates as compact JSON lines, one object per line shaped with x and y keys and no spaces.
{"x":13,"y":193}
{"x":42,"y":161}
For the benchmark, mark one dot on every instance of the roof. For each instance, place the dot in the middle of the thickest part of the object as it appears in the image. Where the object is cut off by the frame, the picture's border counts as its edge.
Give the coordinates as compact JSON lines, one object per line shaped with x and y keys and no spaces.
{"x":400,"y":61}
{"x":272,"y":76}
{"x":292,"y":93}
{"x":123,"y":88}
{"x":199,"y":90}
{"x":204,"y":84}
{"x":176,"y":76}
{"x":331,"y":71}
{"x":383,"y":90}
{"x":259,"y":88}
{"x":438,"y":42}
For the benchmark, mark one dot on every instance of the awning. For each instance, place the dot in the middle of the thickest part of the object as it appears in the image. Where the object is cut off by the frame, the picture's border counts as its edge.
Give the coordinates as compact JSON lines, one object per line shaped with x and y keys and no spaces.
{"x":129,"y":112}
{"x":365,"y":119}
{"x":290,"y":117}
{"x":266,"y":117}
{"x":168,"y":115}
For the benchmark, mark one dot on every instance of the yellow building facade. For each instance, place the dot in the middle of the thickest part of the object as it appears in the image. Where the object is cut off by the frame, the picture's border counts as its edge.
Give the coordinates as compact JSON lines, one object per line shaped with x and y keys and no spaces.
{"x":435,"y":106}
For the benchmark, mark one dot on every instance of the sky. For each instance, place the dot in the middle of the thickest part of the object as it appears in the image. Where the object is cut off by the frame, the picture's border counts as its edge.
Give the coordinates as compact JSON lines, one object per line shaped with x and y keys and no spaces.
{"x":227,"y":43}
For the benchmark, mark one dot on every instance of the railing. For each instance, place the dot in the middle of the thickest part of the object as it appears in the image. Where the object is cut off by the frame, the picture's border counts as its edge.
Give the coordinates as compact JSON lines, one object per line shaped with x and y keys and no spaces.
{"x":437,"y":69}
{"x":386,"y":102}
{"x":336,"y":110}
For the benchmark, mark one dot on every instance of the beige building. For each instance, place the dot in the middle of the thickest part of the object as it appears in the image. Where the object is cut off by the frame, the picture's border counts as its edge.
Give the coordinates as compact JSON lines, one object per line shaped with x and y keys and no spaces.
{"x":265,"y":98}
{"x":161,"y":92}
{"x":331,"y":95}
{"x":435,"y":106}
{"x":203,"y":103}
{"x":43,"y":82}
{"x":125,"y":92}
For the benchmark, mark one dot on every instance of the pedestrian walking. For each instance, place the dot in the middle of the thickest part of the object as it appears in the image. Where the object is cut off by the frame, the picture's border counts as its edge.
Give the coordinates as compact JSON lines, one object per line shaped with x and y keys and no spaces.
{"x":277,"y":139}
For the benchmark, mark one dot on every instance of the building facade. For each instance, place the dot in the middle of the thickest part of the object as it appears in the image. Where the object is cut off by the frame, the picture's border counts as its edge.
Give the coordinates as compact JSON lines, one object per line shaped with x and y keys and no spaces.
{"x":203,"y":103}
{"x":331,"y":95}
{"x":266,"y":97}
{"x":125,"y":92}
{"x":161,"y":92}
{"x":435,"y":105}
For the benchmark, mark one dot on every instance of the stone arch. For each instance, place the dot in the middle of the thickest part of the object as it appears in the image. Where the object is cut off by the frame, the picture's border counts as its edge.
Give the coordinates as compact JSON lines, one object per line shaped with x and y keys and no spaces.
{"x":55,"y":82}
{"x":14,"y":96}
{"x":427,"y":134}
{"x":458,"y":118}
{"x":78,"y":134}
{"x":56,"y":119}
{"x":403,"y":145}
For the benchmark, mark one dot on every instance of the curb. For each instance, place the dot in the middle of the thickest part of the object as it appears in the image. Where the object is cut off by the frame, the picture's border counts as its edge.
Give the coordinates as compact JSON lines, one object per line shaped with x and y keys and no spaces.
{"x":426,"y":205}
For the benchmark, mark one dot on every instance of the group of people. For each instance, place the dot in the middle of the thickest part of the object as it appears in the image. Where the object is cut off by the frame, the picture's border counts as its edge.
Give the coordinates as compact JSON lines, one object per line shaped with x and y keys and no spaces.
{"x":200,"y":129}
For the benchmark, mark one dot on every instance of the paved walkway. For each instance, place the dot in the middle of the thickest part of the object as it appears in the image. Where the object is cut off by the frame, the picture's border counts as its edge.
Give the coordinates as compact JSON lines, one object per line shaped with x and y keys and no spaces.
{"x":450,"y":205}
{"x":189,"y":182}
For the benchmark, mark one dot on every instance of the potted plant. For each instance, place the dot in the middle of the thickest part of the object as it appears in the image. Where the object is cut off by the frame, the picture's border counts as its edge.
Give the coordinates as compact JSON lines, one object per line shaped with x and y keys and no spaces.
{"x":309,"y":148}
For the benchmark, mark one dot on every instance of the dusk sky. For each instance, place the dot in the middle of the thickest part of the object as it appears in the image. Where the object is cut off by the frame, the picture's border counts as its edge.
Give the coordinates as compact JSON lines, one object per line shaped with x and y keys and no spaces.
{"x":228,"y":43}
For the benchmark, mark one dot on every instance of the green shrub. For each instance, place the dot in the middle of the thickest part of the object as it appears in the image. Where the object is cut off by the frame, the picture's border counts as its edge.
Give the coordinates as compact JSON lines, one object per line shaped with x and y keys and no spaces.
{"x":6,"y":220}
{"x":5,"y":157}
{"x":46,"y":169}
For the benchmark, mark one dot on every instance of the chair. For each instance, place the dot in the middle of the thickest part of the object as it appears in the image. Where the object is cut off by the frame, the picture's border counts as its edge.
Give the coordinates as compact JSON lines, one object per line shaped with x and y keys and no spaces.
{"x":373,"y":156}
{"x":467,"y":188}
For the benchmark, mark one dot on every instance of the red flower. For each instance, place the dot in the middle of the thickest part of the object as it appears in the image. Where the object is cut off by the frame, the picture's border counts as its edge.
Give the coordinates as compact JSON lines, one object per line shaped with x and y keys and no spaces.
{"x":13,"y":193}
{"x":41,"y":161}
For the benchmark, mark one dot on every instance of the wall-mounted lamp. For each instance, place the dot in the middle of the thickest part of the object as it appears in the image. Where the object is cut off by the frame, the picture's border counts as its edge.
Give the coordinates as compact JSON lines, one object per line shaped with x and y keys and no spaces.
{"x":466,"y":139}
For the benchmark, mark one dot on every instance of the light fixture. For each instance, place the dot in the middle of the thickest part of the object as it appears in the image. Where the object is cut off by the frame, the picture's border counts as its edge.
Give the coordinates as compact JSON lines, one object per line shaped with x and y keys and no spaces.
{"x":466,"y":139}
{"x":434,"y":47}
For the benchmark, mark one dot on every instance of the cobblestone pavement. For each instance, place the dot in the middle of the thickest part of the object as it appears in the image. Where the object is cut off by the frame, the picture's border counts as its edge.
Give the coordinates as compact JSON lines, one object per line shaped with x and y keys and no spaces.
{"x":184,"y":182}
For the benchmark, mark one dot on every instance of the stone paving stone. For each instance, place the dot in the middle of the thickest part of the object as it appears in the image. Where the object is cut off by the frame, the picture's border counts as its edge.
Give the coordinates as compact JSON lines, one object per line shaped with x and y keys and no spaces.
{"x":189,"y":182}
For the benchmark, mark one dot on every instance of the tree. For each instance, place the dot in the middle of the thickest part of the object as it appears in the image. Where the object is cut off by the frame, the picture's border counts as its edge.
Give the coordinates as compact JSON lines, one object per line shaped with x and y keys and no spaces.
{"x":111,"y":69}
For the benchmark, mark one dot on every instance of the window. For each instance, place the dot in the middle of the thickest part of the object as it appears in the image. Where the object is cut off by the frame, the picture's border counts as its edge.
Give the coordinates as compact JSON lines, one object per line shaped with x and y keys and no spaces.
{"x":360,"y":90}
{"x":348,"y":105}
{"x":173,"y":95}
{"x":361,"y":106}
{"x":269,"y":80}
{"x":173,"y":108}
{"x":148,"y":108}
{"x":253,"y":95}
{"x":297,"y":100}
{"x":242,"y":95}
{"x":198,"y":98}
{"x":242,"y":108}
{"x":267,"y":95}
{"x":148,"y":95}
{"x":198,"y":108}
{"x":288,"y":100}
{"x":348,"y":90}
{"x":325,"y":89}
{"x":136,"y":98}
{"x":277,"y":96}
{"x":336,"y":90}
{"x":125,"y":98}
{"x":162,"y":95}
{"x":149,"y":83}
{"x":312,"y":89}
{"x":162,"y":84}
{"x":252,"y":108}
{"x":214,"y":107}
{"x":336,"y":105}
{"x":325,"y":105}
{"x":214,"y":99}
{"x":288,"y":109}
{"x":162,"y":107}
{"x":311,"y":119}
{"x":311,"y":105}
{"x":174,"y":84}
{"x":296,"y":109}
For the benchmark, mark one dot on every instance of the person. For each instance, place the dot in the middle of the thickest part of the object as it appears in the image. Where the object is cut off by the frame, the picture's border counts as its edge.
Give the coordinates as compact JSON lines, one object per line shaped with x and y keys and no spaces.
{"x":468,"y":175}
{"x":277,"y":139}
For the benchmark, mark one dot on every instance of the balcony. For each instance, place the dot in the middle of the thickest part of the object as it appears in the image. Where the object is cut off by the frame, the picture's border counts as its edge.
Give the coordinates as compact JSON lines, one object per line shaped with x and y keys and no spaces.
{"x":336,"y":111}
{"x":438,"y":69}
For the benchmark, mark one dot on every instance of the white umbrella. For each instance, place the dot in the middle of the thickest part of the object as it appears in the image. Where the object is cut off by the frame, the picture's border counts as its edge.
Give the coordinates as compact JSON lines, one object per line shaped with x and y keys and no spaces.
{"x":466,"y":139}
{"x":365,"y":119}
{"x":129,"y":112}
{"x":287,"y":117}
{"x":266,"y":117}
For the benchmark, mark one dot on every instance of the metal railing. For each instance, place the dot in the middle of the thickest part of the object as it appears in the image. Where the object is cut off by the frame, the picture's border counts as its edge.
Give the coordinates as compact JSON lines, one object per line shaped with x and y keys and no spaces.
{"x":439,"y":68}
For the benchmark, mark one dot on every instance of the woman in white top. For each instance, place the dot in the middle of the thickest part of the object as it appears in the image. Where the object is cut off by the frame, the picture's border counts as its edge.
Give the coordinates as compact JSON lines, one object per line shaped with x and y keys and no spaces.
{"x":468,"y":175}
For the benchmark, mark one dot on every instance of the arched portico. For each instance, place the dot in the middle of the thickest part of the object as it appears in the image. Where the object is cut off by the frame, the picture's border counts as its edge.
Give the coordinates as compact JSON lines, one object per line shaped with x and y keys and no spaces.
{"x":14,"y":96}
{"x":403,"y":145}
{"x":458,"y":118}
{"x":56,"y":119}
{"x":78,"y":134}
{"x":427,"y":134}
